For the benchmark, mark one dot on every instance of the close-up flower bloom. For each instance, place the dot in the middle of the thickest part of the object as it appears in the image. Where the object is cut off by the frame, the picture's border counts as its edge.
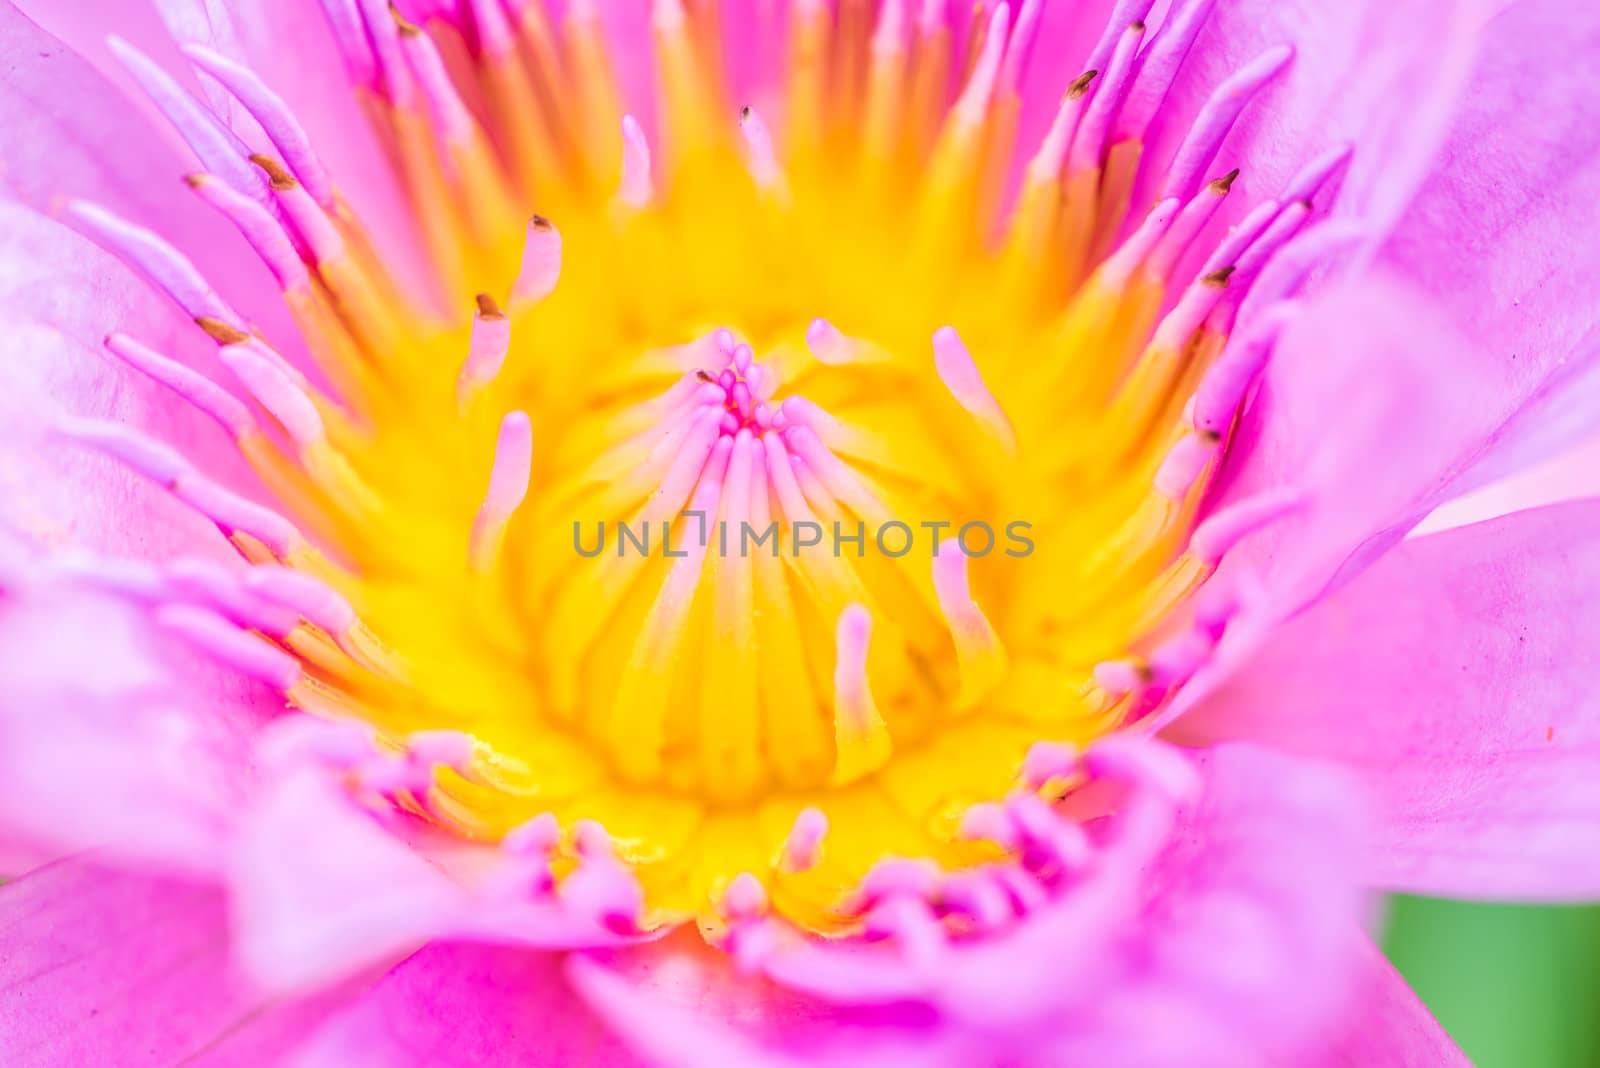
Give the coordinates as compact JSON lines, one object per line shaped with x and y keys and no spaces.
{"x":704,"y":532}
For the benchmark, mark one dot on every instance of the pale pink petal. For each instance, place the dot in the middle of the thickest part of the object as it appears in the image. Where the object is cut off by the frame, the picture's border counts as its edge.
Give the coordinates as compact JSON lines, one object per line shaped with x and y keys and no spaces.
{"x":59,"y":297}
{"x":99,"y":967}
{"x":1456,"y":677}
{"x":71,"y":133}
{"x":1386,"y":1024}
{"x":466,"y":1006}
{"x":113,"y":733}
{"x":1357,"y":77}
{"x":1492,"y":234}
{"x":320,"y":891}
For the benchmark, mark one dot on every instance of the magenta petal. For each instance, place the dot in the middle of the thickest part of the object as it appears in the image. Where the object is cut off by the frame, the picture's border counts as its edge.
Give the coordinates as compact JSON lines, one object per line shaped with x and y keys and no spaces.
{"x":321,"y":891}
{"x":1387,"y":1026}
{"x":466,"y":1006}
{"x":1457,"y":677}
{"x":1491,"y":238}
{"x":104,"y":968}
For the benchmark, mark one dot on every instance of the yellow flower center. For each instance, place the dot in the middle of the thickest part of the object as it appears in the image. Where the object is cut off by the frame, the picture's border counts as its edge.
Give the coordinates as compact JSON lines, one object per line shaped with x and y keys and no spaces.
{"x":793,"y":481}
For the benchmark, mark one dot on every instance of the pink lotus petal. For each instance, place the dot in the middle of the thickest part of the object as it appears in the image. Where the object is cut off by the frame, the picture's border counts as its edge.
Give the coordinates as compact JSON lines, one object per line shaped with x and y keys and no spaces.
{"x":1455,"y":677}
{"x":1387,"y":1026}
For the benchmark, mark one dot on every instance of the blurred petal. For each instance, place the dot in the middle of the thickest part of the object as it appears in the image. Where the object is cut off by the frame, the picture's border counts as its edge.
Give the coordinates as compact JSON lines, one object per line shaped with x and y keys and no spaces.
{"x":465,"y":1006}
{"x":1491,"y":239}
{"x":1388,"y":1026}
{"x":1457,"y":677}
{"x":101,"y":967}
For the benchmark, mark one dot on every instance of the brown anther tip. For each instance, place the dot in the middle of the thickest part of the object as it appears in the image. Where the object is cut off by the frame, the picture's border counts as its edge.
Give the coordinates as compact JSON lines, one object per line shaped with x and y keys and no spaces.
{"x":539,"y":222}
{"x":1225,"y":183}
{"x":1209,"y":436}
{"x":278,"y":176}
{"x":1137,"y":26}
{"x":1143,"y":672}
{"x":407,"y":29}
{"x":1219,"y":277}
{"x":487,"y":308}
{"x":1307,"y":202}
{"x":744,"y":113}
{"x":221,"y":332}
{"x":194,"y":181}
{"x":703,"y":375}
{"x":1080,"y":84}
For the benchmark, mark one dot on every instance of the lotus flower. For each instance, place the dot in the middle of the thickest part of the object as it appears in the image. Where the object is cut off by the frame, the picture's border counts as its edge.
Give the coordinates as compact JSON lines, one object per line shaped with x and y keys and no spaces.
{"x":768,"y":533}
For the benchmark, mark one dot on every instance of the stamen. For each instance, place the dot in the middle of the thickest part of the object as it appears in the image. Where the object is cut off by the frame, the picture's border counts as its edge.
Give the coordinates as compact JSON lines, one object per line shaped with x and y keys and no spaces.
{"x":541,"y":264}
{"x":859,"y":731}
{"x":486,"y":351}
{"x":803,"y":847}
{"x":259,"y":228}
{"x":1223,"y":530}
{"x":228,"y":645}
{"x":761,"y":157}
{"x":164,"y":265}
{"x":191,"y":385}
{"x":214,"y":145}
{"x":978,"y":648}
{"x":960,"y":375}
{"x":350,"y":36}
{"x":1089,"y":142}
{"x":636,"y":188}
{"x":508,"y":485}
{"x":317,"y":231}
{"x":1217,"y":117}
{"x":277,"y":393}
{"x":275,"y":117}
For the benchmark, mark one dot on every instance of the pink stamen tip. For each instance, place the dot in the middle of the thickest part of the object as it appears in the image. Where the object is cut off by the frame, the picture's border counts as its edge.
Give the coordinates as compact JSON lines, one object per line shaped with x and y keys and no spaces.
{"x":508,"y":486}
{"x":1118,"y":677}
{"x":541,"y":263}
{"x":959,"y":373}
{"x":152,"y":459}
{"x":454,"y":122}
{"x":1315,"y":176}
{"x":217,"y":148}
{"x":1183,"y":465}
{"x":1143,"y":762}
{"x":277,"y":393}
{"x":896,"y":877}
{"x":889,"y":36}
{"x":274,"y":115}
{"x":306,"y":594}
{"x":636,"y":188}
{"x":1217,"y":117}
{"x":827,"y":344}
{"x":973,"y":103}
{"x":487,"y":347}
{"x":852,"y":695}
{"x":932,"y":17}
{"x":263,"y":232}
{"x":383,"y":32}
{"x":1223,"y":530}
{"x":1090,"y":141}
{"x":1019,"y":50}
{"x":1159,"y":62}
{"x":743,"y":359}
{"x":350,"y":36}
{"x":988,"y":822}
{"x":745,"y":898}
{"x":726,"y":380}
{"x":227,"y":410}
{"x":169,"y":269}
{"x":537,"y":837}
{"x":440,"y":748}
{"x":209,"y":585}
{"x":1120,"y":266}
{"x":760,"y":156}
{"x":1046,"y":761}
{"x":495,"y":35}
{"x":225,"y":643}
{"x":803,"y":847}
{"x":591,"y":841}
